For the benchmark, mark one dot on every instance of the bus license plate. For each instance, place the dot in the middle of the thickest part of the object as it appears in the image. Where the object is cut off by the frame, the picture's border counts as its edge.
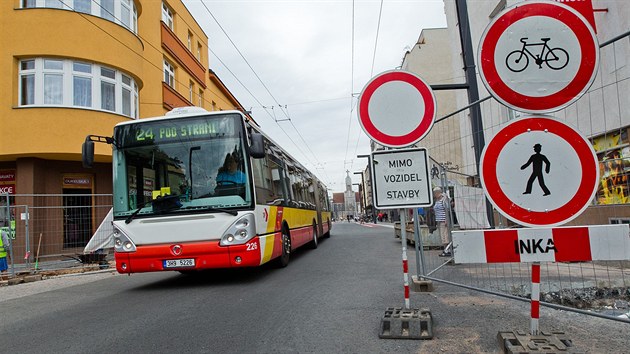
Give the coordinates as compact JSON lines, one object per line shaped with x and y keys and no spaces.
{"x":179,"y":263}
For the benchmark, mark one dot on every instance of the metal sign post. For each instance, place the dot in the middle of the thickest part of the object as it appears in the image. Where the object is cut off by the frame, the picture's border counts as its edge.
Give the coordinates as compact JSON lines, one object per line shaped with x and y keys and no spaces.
{"x":405,"y":263}
{"x":396,"y":109}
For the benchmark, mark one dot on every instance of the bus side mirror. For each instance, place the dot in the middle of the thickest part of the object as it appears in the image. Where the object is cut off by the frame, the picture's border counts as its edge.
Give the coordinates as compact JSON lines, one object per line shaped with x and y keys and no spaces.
{"x":257,"y":147}
{"x":87,"y":154}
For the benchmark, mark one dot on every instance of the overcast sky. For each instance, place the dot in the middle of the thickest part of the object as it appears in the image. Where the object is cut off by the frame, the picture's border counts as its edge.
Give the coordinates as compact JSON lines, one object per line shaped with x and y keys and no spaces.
{"x":303,"y":67}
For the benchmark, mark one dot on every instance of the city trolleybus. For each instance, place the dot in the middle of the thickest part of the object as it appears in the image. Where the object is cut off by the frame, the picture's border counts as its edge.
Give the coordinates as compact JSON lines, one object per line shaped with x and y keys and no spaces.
{"x":196,"y":190}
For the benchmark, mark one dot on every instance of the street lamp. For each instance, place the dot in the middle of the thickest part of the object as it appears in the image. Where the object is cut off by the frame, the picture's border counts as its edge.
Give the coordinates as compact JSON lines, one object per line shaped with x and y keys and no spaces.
{"x":361,"y":192}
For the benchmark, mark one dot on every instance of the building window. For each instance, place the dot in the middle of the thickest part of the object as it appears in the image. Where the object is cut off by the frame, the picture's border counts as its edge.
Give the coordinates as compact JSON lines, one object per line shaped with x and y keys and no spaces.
{"x":122,"y":12}
{"x":53,"y":82}
{"x":108,"y":89}
{"x":128,"y":95}
{"x":190,"y":40}
{"x":27,"y":82}
{"x":199,"y":52}
{"x":169,"y":74}
{"x":54,"y":4}
{"x":167,"y":15}
{"x":125,"y":13}
{"x":69,"y":83}
{"x":82,"y":84}
{"x":84,"y":6}
{"x":191,"y":92}
{"x":107,"y":9}
{"x":200,"y":98}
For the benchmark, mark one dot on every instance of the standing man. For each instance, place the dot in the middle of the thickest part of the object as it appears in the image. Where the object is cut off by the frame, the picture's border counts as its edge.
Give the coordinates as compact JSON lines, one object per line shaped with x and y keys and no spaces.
{"x":4,"y":247}
{"x":440,"y":210}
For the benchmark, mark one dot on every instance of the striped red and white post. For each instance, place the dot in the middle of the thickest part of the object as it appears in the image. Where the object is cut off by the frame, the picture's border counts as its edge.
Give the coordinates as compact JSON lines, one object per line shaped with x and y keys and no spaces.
{"x":535,"y":298}
{"x":403,"y":238}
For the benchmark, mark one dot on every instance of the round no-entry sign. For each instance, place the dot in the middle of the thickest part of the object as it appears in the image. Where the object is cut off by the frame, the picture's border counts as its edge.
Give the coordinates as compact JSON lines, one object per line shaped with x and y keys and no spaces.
{"x":396,"y":108}
{"x":538,"y":171}
{"x":538,"y":56}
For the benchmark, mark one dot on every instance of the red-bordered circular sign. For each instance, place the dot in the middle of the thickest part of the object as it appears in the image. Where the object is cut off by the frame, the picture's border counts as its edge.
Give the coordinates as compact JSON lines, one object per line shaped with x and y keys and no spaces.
{"x":396,"y":108}
{"x":538,"y":56}
{"x":538,"y":171}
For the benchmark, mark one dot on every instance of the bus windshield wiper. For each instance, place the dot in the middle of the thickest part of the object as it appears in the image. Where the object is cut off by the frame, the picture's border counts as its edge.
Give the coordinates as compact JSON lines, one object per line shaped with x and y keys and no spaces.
{"x":135,"y":212}
{"x":160,"y":205}
{"x":209,"y":208}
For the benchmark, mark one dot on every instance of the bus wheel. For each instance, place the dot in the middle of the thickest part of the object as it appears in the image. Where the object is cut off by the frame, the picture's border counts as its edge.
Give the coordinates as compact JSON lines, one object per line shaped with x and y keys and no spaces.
{"x":327,"y":234}
{"x":286,"y":248}
{"x":313,"y":243}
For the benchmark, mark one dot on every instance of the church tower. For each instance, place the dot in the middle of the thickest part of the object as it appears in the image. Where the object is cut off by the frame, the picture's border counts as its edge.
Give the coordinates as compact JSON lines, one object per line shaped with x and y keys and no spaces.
{"x":349,"y":196}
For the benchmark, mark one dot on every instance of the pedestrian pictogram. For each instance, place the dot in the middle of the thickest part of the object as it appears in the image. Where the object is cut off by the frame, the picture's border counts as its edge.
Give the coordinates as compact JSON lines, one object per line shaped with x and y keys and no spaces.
{"x":396,"y":108}
{"x":538,"y":56}
{"x":548,"y":186}
{"x":537,"y":160}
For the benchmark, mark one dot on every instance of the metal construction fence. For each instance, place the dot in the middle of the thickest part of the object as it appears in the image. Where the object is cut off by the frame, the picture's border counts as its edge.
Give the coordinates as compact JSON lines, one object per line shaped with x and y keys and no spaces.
{"x":602,"y":116}
{"x":50,"y":231}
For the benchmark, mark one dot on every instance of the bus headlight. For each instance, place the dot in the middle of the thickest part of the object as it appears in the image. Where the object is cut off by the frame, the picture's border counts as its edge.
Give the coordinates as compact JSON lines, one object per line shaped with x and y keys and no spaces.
{"x":122,"y":243}
{"x":241,"y":231}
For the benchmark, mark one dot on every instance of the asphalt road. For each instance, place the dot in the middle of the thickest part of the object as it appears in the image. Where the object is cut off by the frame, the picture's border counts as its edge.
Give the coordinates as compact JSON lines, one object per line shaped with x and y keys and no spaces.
{"x":328,"y":300}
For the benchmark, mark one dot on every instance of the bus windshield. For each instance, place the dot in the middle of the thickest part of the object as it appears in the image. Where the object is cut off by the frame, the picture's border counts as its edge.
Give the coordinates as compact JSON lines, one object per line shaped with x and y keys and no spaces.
{"x":181,"y":164}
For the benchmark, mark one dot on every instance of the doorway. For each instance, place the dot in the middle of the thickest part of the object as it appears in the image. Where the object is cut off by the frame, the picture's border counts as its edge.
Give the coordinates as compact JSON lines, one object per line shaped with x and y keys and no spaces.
{"x":77,"y":217}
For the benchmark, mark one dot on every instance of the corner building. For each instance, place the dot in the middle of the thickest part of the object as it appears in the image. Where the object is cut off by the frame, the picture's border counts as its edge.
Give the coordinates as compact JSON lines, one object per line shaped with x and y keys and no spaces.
{"x":77,"y":67}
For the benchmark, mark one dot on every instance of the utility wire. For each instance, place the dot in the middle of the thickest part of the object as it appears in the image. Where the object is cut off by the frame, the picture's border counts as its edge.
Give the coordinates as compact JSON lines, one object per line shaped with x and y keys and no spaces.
{"x":242,"y":56}
{"x":378,"y":28}
{"x":263,"y":84}
{"x":345,"y":158}
{"x":141,"y":55}
{"x":179,"y":82}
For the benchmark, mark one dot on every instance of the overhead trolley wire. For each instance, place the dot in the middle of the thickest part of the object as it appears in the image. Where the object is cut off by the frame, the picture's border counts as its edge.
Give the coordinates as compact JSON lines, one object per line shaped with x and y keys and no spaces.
{"x":131,"y":49}
{"x":345,"y":157}
{"x":266,"y":88}
{"x":242,"y":56}
{"x":378,"y":28}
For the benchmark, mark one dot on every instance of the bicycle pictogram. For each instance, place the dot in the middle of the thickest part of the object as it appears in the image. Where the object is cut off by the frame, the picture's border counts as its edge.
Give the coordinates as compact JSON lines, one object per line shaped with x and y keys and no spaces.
{"x":554,"y":58}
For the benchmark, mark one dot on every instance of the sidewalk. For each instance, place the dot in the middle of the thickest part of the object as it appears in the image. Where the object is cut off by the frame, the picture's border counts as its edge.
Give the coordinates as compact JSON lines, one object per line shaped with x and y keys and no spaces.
{"x":26,"y":273}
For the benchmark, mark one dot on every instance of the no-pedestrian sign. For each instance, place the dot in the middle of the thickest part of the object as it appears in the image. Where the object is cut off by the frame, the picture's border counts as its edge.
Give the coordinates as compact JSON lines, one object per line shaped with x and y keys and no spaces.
{"x":396,"y":108}
{"x":538,"y":56}
{"x":538,"y":171}
{"x":401,"y":178}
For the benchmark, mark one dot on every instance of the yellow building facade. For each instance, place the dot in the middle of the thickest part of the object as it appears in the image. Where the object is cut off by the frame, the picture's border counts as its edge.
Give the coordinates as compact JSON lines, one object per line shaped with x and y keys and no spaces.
{"x":72,"y":68}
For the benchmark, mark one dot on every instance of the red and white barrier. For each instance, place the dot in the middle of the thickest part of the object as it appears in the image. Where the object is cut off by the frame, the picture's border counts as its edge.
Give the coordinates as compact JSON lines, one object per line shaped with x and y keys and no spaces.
{"x":556,"y":244}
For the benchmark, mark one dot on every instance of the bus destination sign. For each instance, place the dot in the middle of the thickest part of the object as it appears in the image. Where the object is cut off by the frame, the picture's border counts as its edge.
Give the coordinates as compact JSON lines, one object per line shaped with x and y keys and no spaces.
{"x":164,"y":131}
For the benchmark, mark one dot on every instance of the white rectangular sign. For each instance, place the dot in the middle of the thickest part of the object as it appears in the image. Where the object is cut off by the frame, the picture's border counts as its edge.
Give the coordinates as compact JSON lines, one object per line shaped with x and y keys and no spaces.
{"x":401,"y":178}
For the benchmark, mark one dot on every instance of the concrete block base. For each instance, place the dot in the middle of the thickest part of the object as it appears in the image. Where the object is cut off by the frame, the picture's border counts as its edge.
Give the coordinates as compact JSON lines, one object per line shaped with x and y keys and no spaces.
{"x":546,"y":342}
{"x":421,"y":285}
{"x":398,"y":323}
